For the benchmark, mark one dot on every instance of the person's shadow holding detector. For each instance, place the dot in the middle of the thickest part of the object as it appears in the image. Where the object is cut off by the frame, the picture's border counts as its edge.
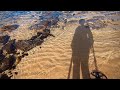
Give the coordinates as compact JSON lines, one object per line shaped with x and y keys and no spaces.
{"x":81,"y":44}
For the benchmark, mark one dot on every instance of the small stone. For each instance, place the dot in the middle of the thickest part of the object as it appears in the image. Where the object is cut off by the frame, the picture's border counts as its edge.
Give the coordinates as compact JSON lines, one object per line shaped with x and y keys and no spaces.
{"x":16,"y":73}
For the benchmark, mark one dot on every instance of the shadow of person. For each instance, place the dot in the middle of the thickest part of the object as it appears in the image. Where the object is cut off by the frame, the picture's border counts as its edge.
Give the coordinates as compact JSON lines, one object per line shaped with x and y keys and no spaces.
{"x":81,"y":44}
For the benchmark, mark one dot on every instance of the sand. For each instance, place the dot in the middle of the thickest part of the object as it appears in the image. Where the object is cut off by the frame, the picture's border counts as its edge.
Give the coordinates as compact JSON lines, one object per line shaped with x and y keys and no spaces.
{"x":53,"y":59}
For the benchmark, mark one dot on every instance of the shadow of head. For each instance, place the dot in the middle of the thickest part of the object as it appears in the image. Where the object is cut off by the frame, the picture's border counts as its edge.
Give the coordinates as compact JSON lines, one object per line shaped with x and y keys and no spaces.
{"x":82,"y":21}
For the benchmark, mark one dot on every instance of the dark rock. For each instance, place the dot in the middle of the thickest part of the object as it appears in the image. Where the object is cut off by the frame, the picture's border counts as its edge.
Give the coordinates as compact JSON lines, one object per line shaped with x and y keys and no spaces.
{"x":16,"y":73}
{"x":9,"y":27}
{"x":7,"y":63}
{"x":99,"y":17}
{"x":5,"y":76}
{"x":1,"y":55}
{"x":10,"y":47}
{"x":92,"y":20}
{"x":41,"y":25}
{"x":46,"y":31}
{"x":54,"y":22}
{"x":97,"y":24}
{"x":4,"y":39}
{"x":72,"y":21}
{"x":4,"y":65}
{"x":36,"y":27}
{"x":26,"y":45}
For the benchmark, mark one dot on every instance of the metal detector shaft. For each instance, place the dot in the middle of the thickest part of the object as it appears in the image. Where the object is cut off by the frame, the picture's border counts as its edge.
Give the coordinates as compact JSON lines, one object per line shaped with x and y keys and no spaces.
{"x":70,"y":69}
{"x":95,"y":62}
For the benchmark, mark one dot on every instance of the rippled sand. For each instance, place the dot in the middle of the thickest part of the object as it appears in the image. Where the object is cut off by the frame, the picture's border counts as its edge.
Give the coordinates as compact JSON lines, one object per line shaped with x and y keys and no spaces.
{"x":53,"y":59}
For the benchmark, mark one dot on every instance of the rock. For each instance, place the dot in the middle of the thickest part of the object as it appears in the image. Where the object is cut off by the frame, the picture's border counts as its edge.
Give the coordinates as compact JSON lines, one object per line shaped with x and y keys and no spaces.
{"x":41,"y":25}
{"x":99,"y":17}
{"x":26,"y":45}
{"x":11,"y":61}
{"x":72,"y":21}
{"x":23,"y":45}
{"x":6,"y":63}
{"x":19,"y":58}
{"x":96,"y":24}
{"x":4,"y":39}
{"x":1,"y":55}
{"x":54,"y":22}
{"x":10,"y":47}
{"x":9,"y":27}
{"x":4,"y":76}
{"x":37,"y":27}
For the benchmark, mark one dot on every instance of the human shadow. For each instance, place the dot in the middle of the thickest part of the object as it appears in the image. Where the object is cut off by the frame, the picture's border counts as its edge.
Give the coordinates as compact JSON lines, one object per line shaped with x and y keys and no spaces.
{"x":81,"y":44}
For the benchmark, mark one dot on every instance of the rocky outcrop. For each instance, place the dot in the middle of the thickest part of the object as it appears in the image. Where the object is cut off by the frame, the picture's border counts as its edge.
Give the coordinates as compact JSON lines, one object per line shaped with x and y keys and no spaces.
{"x":26,"y":45}
{"x":96,"y":24}
{"x":9,"y":28}
{"x":4,"y":39}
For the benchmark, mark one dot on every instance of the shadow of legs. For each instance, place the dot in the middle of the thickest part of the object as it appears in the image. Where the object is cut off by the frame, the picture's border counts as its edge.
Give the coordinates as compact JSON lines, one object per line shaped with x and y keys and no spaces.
{"x":76,"y":68}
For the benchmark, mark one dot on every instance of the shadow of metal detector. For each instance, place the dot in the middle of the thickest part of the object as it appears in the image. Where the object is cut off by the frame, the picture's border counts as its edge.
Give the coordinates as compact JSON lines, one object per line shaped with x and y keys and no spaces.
{"x":96,"y":73}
